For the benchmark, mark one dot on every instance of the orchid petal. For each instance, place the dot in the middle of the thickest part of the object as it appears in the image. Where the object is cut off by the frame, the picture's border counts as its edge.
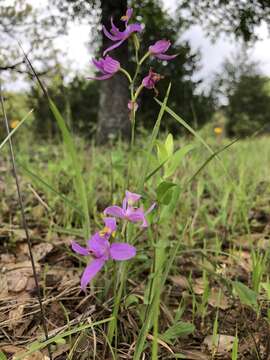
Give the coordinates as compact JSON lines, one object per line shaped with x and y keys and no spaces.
{"x":133,"y":28}
{"x":160,"y":46}
{"x":103,"y":77}
{"x":99,"y":64}
{"x":90,"y":271}
{"x":165,"y":57}
{"x":135,"y":215}
{"x":79,"y":249}
{"x":110,"y":65}
{"x":132,"y":197}
{"x":115,"y":31}
{"x":150,"y":209}
{"x":122,"y":251}
{"x":119,"y":43}
{"x":114,"y":211}
{"x":129,"y":13}
{"x":99,"y":246}
{"x":109,"y":35}
{"x":110,"y":223}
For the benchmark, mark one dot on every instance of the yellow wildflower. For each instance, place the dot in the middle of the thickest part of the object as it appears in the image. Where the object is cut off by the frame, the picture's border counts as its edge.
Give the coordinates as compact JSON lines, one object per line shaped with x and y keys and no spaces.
{"x":218,"y":130}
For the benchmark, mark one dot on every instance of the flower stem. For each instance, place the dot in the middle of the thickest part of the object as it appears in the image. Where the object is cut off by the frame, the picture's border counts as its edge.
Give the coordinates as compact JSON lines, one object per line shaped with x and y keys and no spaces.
{"x":126,"y":74}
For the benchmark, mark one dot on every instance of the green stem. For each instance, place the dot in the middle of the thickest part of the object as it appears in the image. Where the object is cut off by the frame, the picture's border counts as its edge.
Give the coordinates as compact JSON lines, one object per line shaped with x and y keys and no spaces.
{"x":126,"y":74}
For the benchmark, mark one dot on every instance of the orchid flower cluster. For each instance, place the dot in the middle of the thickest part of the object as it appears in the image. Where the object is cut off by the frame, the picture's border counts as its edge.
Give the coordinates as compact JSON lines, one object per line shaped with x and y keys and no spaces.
{"x":100,"y":248}
{"x":109,"y":66}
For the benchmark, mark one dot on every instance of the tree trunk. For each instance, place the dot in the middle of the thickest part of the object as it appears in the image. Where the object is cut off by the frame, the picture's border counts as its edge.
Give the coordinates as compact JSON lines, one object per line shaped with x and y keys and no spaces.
{"x":113,"y":119}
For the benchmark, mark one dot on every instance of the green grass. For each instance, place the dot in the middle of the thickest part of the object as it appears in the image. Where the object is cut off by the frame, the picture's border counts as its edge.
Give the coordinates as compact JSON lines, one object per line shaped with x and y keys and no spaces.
{"x":203,"y":217}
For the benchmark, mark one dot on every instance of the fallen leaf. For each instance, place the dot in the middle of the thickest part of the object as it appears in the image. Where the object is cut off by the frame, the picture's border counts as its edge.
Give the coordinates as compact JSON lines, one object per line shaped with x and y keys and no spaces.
{"x":224,"y":343}
{"x":41,"y":250}
{"x":7,"y":258}
{"x":15,"y":316}
{"x":198,"y":286}
{"x":218,"y":299}
{"x":16,"y":281}
{"x":37,"y":355}
{"x":180,"y":280}
{"x":3,"y":286}
{"x":12,"y":349}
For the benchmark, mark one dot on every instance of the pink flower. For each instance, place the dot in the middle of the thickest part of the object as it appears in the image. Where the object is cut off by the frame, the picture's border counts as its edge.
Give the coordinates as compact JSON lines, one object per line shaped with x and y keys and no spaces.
{"x":128,"y":211}
{"x":159,"y":48}
{"x":151,"y":79}
{"x":120,"y":36}
{"x":107,"y":66}
{"x":99,"y":248}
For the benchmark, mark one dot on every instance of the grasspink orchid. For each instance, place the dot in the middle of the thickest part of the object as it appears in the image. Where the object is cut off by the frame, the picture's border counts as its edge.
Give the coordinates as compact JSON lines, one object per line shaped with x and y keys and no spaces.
{"x":100,"y":249}
{"x":159,"y":48}
{"x":120,"y":36}
{"x":151,"y":79}
{"x":107,"y":66}
{"x":128,"y":211}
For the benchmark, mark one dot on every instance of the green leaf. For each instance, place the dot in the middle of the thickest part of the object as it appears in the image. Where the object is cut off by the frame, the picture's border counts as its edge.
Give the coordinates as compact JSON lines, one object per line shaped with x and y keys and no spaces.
{"x":177,"y":330}
{"x":164,"y":193}
{"x":167,"y":210}
{"x":246,"y":295}
{"x":151,"y":145}
{"x":162,"y":153}
{"x":2,"y":356}
{"x":48,"y":187}
{"x":169,"y":144}
{"x":193,"y":132}
{"x":60,"y":341}
{"x":266,"y":287}
{"x":130,"y":300}
{"x":175,"y":160}
{"x":36,"y":345}
{"x":80,"y":187}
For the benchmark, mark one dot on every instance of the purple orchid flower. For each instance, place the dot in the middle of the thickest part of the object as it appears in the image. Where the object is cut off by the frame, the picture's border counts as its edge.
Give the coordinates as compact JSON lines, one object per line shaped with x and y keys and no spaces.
{"x":128,"y":212}
{"x":107,"y":66}
{"x":120,"y":36}
{"x":99,"y":248}
{"x":151,"y":79}
{"x":159,"y":48}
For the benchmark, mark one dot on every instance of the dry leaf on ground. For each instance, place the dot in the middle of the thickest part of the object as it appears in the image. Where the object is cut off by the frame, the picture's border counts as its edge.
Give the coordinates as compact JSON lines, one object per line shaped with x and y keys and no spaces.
{"x":218,"y":299}
{"x":224,"y":343}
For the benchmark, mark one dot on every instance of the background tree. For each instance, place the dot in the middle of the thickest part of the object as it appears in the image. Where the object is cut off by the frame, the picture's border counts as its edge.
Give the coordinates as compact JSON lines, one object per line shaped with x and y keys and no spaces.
{"x":35,"y":28}
{"x":247,"y":93}
{"x":113,"y":97}
{"x":230,"y":16}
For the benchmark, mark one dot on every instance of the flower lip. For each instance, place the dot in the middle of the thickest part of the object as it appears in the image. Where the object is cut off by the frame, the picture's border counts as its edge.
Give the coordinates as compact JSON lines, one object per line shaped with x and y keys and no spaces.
{"x":128,"y":15}
{"x":151,"y":79}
